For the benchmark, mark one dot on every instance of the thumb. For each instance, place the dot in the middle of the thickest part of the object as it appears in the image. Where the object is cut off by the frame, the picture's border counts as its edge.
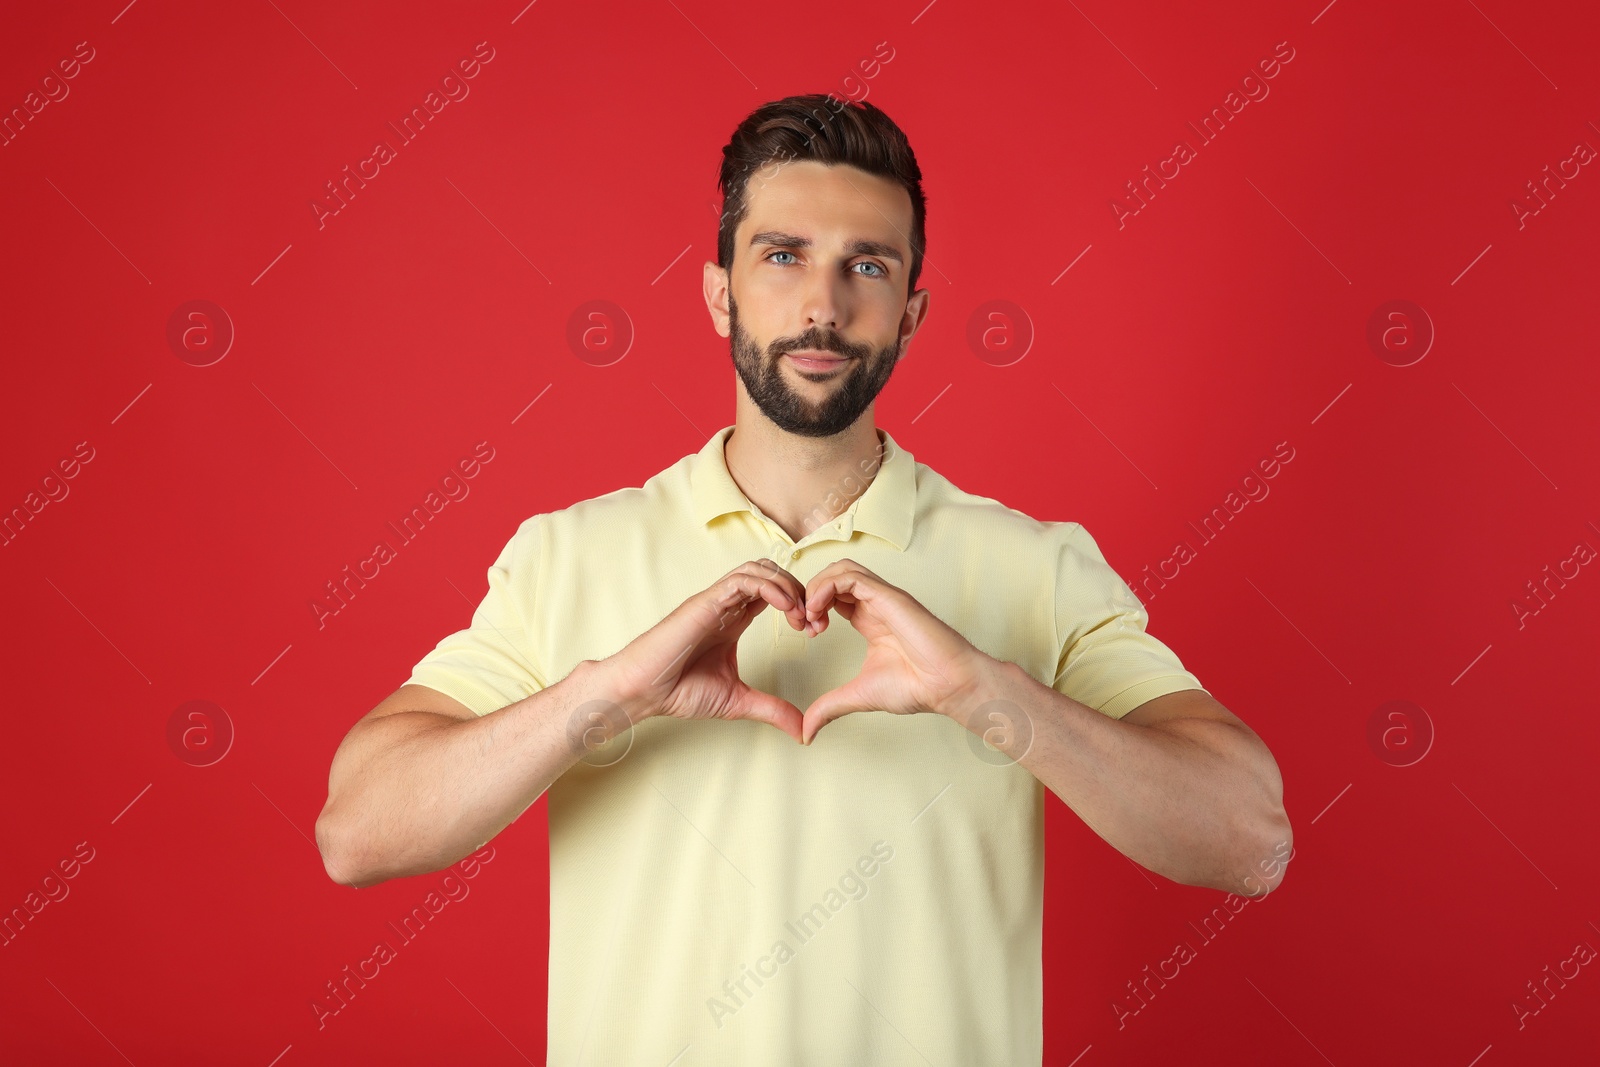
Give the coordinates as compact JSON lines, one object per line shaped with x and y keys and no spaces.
{"x":827,"y":707}
{"x":751,"y":703}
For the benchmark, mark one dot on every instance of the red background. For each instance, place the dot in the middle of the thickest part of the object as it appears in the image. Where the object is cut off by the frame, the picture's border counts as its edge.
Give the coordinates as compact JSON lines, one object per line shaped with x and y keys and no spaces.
{"x":1228,"y":315}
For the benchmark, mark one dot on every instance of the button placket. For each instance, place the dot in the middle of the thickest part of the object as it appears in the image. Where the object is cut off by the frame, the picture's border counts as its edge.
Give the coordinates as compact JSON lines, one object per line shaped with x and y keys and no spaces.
{"x":786,"y":554}
{"x":783,"y":553}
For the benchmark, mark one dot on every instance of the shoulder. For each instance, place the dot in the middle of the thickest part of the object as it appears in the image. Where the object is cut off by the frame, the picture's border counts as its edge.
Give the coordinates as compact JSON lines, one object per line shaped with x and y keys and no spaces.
{"x":944,"y":510}
{"x":663,"y":502}
{"x":1053,"y":560}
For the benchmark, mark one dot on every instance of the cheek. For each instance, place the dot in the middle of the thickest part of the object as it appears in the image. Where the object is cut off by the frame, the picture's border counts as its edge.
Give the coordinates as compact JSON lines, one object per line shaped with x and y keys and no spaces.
{"x":766,"y":298}
{"x":765,"y":309}
{"x":880,"y":319}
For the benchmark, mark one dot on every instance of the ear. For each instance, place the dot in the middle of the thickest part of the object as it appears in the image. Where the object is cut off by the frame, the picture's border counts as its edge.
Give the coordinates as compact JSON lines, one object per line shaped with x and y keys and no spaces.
{"x":911,"y":321}
{"x":714,"y":283}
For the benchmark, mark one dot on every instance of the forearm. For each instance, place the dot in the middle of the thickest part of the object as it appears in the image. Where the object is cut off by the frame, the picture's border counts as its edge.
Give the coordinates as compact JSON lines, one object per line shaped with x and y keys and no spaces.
{"x":1198,"y":801}
{"x":414,"y":792}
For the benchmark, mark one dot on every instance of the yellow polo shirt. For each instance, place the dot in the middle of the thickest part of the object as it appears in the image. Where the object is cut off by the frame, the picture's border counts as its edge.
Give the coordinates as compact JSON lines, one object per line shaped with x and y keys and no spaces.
{"x":720,"y":895}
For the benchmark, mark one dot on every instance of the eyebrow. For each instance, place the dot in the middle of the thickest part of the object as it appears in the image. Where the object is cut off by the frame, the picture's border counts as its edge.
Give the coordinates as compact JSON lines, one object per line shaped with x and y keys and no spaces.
{"x":857,"y":247}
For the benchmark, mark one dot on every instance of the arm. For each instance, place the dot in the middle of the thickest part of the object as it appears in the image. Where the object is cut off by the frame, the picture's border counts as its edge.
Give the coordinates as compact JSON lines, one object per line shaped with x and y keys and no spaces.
{"x":421,"y":781}
{"x":1180,"y":784}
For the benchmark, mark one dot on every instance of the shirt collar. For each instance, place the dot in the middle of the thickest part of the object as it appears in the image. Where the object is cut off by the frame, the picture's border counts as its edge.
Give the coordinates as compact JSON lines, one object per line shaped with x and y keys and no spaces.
{"x":884,"y":510}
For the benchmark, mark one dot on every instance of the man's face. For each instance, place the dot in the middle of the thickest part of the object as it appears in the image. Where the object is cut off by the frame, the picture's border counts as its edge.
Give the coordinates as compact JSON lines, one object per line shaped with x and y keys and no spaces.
{"x":820,"y":263}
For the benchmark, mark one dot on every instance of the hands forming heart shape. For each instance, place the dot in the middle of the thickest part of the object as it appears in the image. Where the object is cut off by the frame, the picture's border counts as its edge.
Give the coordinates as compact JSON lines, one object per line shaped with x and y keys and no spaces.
{"x":686,"y":666}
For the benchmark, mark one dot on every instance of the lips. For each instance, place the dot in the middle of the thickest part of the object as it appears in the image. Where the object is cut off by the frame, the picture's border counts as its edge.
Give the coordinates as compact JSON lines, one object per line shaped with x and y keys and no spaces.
{"x":816,"y":359}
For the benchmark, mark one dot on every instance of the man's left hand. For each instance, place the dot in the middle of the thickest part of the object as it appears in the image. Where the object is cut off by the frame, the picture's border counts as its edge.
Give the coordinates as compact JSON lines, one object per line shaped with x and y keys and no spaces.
{"x":915,"y":663}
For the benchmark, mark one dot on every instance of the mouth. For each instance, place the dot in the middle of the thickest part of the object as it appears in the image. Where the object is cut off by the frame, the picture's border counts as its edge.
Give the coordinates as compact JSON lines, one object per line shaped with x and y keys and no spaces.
{"x":817,"y":361}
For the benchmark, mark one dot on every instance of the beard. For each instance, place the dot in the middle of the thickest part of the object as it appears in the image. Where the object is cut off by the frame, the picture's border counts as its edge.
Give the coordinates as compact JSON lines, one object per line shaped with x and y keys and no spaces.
{"x":856,"y":387}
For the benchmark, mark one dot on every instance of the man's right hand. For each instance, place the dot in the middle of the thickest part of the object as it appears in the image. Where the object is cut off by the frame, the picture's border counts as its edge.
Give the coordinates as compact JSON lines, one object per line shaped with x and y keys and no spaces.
{"x":686,"y":666}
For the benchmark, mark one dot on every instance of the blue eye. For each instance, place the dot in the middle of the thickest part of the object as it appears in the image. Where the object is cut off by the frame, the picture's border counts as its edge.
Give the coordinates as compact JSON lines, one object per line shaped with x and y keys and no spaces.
{"x":878,"y":271}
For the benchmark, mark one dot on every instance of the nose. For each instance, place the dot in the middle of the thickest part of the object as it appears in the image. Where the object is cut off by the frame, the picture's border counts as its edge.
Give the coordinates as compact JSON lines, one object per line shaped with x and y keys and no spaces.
{"x":821,"y":304}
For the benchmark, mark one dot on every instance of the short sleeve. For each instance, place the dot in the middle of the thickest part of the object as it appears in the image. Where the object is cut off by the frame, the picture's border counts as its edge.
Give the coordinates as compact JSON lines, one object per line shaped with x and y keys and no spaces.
{"x":490,"y":663}
{"x":1107,"y":660}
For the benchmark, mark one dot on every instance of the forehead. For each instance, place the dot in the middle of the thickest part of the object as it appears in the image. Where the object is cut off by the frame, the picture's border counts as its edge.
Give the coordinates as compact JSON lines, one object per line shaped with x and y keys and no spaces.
{"x":829,"y":204}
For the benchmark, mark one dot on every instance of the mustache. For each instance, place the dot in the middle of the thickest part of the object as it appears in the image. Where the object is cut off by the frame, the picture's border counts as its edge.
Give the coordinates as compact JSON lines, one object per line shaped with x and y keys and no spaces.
{"x":818,"y":343}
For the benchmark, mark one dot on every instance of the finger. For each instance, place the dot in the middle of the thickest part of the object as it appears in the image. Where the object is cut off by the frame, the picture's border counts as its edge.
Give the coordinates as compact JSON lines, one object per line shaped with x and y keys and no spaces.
{"x":819,"y":597}
{"x":830,"y":592}
{"x":742,"y":591}
{"x":716,"y":615}
{"x":755,"y":705}
{"x":829,"y":706}
{"x":816,"y":618}
{"x":843,"y":566}
{"x":771,"y":571}
{"x":870,"y":574}
{"x":769,"y":568}
{"x":787,"y":600}
{"x":852,"y":565}
{"x":851,"y":583}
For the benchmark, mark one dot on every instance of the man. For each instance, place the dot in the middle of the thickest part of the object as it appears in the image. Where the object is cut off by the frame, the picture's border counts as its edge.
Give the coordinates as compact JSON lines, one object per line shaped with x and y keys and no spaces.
{"x":789,"y":838}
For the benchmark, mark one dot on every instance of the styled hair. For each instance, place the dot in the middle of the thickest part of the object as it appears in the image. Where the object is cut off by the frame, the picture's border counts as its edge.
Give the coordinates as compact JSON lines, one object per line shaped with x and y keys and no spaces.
{"x":828,"y":130}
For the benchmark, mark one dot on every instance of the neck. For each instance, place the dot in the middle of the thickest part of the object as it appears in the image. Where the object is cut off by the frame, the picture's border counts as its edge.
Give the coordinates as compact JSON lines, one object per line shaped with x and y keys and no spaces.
{"x":800,"y":482}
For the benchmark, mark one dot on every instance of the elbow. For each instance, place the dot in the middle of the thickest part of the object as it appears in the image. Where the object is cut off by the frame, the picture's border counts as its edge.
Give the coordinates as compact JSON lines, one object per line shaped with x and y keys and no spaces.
{"x":1266,"y":837}
{"x":339,"y":859}
{"x":1262,"y":868}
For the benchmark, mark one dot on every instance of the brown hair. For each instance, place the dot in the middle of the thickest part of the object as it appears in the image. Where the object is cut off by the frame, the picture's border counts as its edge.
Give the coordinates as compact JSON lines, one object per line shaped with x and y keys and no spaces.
{"x":828,"y":130}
